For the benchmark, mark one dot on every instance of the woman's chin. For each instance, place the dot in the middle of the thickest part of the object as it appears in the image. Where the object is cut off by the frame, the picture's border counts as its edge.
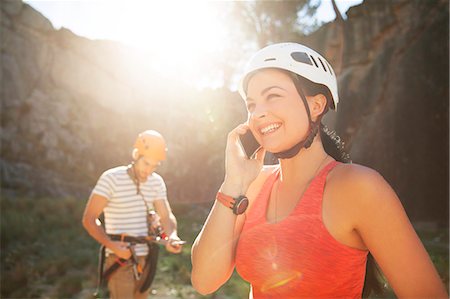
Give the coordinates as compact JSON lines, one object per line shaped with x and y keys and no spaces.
{"x":273,"y":148}
{"x":276,"y":148}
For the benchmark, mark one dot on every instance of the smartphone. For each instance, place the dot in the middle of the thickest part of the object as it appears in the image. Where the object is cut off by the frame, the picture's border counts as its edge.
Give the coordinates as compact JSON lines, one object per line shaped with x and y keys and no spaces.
{"x":249,"y":144}
{"x":178,"y":242}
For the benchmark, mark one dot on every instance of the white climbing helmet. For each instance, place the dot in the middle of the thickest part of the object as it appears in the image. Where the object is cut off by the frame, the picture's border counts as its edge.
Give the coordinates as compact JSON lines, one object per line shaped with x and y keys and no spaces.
{"x":296,"y":58}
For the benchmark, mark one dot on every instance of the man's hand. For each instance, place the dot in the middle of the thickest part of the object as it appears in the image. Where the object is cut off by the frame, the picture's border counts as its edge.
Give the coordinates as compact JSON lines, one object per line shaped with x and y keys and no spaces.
{"x":169,"y":223}
{"x":174,"y":244}
{"x":121,"y":250}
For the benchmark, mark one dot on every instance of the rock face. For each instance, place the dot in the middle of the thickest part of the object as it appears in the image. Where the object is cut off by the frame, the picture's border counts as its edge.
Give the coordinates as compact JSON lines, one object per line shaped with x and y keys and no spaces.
{"x":394,"y":96}
{"x":71,"y":107}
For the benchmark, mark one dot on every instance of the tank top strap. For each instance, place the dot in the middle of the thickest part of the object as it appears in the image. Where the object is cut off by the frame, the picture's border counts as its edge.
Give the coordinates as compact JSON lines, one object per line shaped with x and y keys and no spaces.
{"x":321,"y":178}
{"x":324,"y":172}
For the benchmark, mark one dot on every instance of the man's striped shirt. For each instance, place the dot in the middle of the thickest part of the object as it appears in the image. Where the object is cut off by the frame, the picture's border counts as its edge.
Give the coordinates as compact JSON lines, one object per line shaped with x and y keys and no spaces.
{"x":125,"y":211}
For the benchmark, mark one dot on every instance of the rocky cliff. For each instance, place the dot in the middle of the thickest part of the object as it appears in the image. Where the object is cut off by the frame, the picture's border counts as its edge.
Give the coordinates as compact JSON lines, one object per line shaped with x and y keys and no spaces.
{"x":71,"y":107}
{"x":394,"y":88}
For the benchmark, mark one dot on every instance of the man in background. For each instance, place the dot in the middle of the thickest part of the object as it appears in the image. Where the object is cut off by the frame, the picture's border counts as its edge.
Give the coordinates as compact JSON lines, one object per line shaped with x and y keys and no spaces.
{"x":127,"y":195}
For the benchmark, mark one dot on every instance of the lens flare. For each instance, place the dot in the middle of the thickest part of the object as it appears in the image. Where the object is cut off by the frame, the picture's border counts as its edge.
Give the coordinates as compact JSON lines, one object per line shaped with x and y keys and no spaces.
{"x":280,"y":279}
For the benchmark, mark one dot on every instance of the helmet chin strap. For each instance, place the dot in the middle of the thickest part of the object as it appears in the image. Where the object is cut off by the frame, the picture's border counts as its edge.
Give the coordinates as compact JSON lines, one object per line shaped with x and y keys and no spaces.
{"x":313,"y":129}
{"x":131,"y":170}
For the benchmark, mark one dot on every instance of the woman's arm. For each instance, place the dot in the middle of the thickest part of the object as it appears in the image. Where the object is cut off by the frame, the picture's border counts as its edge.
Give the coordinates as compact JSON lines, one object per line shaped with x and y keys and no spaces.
{"x":213,"y":251}
{"x":387,"y":232}
{"x":214,"y":248}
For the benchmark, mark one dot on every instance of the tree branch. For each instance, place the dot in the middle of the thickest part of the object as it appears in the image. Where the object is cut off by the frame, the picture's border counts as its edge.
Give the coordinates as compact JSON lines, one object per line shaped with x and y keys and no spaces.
{"x":337,"y":12}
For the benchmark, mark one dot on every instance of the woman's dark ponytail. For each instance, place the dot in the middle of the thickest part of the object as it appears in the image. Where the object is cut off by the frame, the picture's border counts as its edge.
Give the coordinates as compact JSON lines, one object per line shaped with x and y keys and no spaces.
{"x":333,"y":145}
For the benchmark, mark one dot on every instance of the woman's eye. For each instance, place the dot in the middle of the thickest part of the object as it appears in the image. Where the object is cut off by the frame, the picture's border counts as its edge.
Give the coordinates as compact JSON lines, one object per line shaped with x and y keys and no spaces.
{"x":273,"y":96}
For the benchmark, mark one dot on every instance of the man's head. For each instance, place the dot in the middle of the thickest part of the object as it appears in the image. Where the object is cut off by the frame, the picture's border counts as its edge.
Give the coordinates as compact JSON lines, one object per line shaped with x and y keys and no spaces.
{"x":148,"y":152}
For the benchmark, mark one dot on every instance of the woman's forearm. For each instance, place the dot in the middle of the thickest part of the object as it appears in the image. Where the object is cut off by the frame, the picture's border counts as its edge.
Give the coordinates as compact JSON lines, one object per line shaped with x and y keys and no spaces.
{"x":213,"y":250}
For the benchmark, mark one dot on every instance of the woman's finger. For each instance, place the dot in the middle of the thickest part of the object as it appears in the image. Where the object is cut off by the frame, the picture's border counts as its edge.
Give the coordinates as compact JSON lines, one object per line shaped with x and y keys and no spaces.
{"x":239,"y":130}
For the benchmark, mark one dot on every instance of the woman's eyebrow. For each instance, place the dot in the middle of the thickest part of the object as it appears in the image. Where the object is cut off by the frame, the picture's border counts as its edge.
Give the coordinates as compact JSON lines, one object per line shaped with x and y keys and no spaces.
{"x":270,"y":87}
{"x":248,"y":99}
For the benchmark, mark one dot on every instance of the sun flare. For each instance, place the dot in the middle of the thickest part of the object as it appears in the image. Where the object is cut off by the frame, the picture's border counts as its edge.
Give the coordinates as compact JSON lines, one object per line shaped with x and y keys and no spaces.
{"x":178,"y":35}
{"x":177,"y":38}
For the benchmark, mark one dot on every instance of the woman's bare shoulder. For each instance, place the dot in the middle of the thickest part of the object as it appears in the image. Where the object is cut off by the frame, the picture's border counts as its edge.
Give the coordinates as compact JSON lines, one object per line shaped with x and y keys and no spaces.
{"x":351,"y":173}
{"x":360,"y":192}
{"x":357,"y":182}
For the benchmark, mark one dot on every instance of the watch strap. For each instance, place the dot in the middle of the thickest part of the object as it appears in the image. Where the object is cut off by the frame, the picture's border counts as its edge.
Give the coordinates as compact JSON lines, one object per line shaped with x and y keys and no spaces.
{"x":226,"y":200}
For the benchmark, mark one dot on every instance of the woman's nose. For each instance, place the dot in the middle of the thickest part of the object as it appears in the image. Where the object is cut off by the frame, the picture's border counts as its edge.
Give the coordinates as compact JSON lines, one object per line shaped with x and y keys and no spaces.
{"x":259,"y":111}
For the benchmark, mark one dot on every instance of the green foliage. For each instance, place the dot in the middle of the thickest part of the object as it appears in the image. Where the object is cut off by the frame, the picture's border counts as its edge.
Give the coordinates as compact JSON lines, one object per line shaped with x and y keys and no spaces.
{"x":436,"y":243}
{"x":47,"y":253}
{"x":273,"y":21}
{"x":44,"y":248}
{"x":69,"y":285}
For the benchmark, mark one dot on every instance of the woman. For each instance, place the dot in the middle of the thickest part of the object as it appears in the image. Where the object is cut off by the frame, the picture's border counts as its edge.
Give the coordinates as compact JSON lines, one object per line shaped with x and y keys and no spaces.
{"x":311,"y":220}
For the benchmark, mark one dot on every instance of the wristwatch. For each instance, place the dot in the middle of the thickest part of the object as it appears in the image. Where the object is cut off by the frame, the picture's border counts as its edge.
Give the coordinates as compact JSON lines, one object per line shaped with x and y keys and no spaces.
{"x":238,"y":205}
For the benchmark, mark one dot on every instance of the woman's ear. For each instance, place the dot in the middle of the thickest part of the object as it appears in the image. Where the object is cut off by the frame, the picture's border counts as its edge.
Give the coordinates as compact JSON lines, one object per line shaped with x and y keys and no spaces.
{"x":317,"y":105}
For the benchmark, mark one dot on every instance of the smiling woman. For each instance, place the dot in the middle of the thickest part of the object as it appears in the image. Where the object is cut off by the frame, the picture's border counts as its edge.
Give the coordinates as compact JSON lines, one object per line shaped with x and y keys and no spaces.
{"x":314,"y":223}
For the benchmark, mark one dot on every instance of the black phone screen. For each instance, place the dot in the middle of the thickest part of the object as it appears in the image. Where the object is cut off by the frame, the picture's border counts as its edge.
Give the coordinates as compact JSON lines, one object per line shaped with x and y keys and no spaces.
{"x":249,"y":143}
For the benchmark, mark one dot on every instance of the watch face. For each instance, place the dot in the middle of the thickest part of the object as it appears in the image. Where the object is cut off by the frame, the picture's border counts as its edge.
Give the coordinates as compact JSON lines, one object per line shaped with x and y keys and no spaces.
{"x":241,"y":205}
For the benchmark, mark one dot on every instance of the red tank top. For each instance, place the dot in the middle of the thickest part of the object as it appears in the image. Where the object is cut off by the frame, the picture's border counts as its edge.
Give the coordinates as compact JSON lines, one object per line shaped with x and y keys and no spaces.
{"x":297,"y":257}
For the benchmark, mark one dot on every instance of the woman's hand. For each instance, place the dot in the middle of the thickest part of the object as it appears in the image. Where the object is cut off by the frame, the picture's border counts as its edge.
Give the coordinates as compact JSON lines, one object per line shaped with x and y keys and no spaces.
{"x":239,"y":170}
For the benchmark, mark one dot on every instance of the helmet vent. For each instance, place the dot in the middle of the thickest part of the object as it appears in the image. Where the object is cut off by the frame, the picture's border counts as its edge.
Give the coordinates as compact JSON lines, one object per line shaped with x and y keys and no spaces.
{"x":301,"y":57}
{"x":314,"y":61}
{"x":329,"y":67}
{"x":323,"y":65}
{"x":297,"y":59}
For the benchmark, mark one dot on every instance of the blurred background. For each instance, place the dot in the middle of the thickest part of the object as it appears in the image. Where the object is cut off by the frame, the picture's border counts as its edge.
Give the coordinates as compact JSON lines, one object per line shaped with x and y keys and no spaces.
{"x":80,"y":79}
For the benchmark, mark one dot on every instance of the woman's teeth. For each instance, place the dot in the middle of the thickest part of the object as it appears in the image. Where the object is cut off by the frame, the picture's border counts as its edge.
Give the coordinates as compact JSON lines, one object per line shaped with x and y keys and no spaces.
{"x":269,"y":129}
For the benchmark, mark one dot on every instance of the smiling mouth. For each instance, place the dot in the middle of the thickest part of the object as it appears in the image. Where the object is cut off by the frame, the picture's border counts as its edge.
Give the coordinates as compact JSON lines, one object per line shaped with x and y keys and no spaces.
{"x":269,"y":129}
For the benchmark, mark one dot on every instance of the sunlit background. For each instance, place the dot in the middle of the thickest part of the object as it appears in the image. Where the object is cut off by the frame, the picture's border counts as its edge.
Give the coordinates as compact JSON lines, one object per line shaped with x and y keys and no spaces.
{"x":80,"y":79}
{"x":182,"y":38}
